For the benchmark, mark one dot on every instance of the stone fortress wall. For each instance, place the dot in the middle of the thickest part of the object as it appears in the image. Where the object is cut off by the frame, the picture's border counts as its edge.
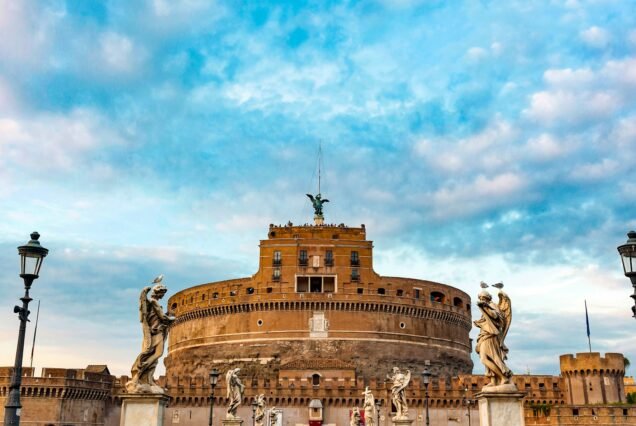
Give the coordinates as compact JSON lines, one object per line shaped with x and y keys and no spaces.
{"x":316,"y":295}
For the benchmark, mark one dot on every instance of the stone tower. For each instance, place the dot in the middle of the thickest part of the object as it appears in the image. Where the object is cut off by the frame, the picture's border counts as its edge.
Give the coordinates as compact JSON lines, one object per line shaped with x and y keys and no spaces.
{"x":592,"y":379}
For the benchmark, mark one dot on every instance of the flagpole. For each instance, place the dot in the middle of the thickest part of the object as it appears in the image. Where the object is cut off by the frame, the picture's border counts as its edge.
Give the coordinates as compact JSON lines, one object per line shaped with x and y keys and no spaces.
{"x":587,"y":323}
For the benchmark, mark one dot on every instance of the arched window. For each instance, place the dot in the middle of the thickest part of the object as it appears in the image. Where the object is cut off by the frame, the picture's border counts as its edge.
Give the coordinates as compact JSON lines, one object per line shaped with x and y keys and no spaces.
{"x":457,"y":302}
{"x":437,"y":296}
{"x":315,"y":379}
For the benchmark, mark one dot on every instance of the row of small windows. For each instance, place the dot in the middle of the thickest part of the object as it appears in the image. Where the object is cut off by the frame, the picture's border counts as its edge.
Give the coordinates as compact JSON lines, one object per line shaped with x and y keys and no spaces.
{"x":327,"y":284}
{"x":303,"y":258}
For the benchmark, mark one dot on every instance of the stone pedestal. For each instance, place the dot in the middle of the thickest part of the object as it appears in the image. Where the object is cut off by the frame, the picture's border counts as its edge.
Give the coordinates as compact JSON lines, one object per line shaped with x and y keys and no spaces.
{"x":232,"y":422}
{"x":501,"y":408}
{"x":319,"y":219}
{"x":143,"y":409}
{"x":402,"y":422}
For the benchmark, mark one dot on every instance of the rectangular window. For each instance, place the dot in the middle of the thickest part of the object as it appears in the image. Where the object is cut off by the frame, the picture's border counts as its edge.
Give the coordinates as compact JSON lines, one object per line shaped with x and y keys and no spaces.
{"x":355,"y":259}
{"x":315,"y":284}
{"x":277,"y":258}
{"x":416,"y":293}
{"x":302,"y":284}
{"x":328,"y":284}
{"x":329,"y":258}
{"x":360,"y":290}
{"x":355,"y":274}
{"x":276,"y":274}
{"x":302,"y":258}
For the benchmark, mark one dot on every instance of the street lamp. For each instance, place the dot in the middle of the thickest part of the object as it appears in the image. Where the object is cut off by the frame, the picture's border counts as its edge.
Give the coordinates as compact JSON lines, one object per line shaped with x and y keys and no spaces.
{"x":467,"y":403}
{"x":31,"y":256}
{"x":377,"y":411}
{"x":214,"y":377}
{"x":628,"y":256}
{"x":426,"y":378}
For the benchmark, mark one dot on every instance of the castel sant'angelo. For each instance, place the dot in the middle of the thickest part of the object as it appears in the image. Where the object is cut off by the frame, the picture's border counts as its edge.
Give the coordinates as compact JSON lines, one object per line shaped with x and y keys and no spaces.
{"x":311,"y":330}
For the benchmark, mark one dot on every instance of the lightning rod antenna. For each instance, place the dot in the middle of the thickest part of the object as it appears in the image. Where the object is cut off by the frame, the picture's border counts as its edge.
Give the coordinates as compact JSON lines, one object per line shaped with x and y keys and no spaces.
{"x":319,"y":163}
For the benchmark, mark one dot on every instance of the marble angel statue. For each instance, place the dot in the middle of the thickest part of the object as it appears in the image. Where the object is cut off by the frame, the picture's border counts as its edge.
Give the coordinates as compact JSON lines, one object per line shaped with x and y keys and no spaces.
{"x":398,"y":395}
{"x":235,"y":389}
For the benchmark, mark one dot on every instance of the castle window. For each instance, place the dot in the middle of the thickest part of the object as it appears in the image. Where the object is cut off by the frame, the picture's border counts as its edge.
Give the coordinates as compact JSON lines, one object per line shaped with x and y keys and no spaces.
{"x":437,"y":297}
{"x":381,"y":291}
{"x":355,"y":274}
{"x":575,"y":411}
{"x":328,"y":284}
{"x":276,"y":274}
{"x":468,"y":306}
{"x":355,"y":259}
{"x":173,"y":307}
{"x":416,"y":293}
{"x":232,"y":293}
{"x":329,"y":258}
{"x":302,"y":258}
{"x":250,"y":290}
{"x":315,"y":379}
{"x":360,"y":290}
{"x":302,"y":284}
{"x":203,"y":297}
{"x":269,"y":290}
{"x":457,"y":302}
{"x":277,"y":258}
{"x":625,"y":411}
{"x":315,"y":284}
{"x":215,"y":295}
{"x":399,"y":293}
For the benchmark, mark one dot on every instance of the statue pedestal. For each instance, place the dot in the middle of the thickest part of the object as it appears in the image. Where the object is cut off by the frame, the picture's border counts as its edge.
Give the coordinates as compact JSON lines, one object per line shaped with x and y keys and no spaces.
{"x":143,"y":409}
{"x":402,"y":422}
{"x":232,"y":422}
{"x":319,"y":219}
{"x":501,"y":407}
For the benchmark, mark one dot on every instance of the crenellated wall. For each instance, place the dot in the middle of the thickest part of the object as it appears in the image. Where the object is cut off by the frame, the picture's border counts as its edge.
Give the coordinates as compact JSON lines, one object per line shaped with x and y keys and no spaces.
{"x":593,"y":379}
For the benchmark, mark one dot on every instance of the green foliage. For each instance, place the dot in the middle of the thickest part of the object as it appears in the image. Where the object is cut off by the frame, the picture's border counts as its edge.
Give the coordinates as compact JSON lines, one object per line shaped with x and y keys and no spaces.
{"x":627,"y":363}
{"x":631,"y":398}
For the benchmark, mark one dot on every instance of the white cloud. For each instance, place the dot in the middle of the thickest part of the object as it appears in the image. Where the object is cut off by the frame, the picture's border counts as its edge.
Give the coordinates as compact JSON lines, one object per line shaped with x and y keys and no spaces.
{"x":568,"y":78}
{"x":476,"y":53}
{"x":596,"y":171}
{"x":546,"y":147}
{"x":465,"y":198}
{"x":595,"y":37}
{"x":119,"y":54}
{"x":556,"y":107}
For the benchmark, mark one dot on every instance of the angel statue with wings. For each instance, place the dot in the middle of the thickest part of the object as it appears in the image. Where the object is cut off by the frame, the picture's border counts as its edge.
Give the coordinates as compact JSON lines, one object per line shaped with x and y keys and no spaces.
{"x":235,"y":389}
{"x":154,"y":324}
{"x":398,"y":396}
{"x":494,"y":324}
{"x":317,"y":202}
{"x":370,"y":412}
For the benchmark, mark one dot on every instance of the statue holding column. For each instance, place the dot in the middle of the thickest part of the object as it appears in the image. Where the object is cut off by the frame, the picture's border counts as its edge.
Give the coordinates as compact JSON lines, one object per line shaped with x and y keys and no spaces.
{"x":398,"y":395}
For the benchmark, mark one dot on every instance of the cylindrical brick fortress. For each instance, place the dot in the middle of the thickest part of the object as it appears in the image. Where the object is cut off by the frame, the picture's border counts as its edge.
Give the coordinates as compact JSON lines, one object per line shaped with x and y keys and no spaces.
{"x":316,"y":297}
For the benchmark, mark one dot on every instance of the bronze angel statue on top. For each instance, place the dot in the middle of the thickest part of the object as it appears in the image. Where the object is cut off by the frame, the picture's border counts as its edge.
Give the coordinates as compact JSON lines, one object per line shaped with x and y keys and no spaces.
{"x":154,"y":324}
{"x":317,"y":202}
{"x":494,"y":324}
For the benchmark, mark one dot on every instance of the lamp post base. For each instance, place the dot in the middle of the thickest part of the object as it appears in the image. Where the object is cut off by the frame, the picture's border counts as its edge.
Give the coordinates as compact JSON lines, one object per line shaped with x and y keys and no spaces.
{"x":143,"y":410}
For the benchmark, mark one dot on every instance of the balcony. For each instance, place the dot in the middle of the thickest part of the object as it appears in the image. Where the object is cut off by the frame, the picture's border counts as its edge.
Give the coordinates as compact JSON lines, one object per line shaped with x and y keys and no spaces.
{"x":277,"y":262}
{"x":355,"y":262}
{"x":328,"y":261}
{"x":303,"y":261}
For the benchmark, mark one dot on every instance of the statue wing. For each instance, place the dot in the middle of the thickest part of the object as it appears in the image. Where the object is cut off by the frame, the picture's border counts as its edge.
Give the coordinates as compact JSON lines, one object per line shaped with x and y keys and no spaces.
{"x":505,"y":307}
{"x":143,"y":317}
{"x":311,"y":197}
{"x":325,"y":201}
{"x":228,"y":382}
{"x":407,"y":378}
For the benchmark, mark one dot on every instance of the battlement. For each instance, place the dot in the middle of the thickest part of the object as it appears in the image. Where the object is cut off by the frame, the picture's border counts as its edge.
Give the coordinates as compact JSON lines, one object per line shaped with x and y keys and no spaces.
{"x":309,"y":231}
{"x":592,"y":362}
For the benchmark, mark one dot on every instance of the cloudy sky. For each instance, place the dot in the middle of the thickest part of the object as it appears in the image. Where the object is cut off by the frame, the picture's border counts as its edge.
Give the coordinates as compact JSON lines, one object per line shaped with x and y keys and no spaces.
{"x":477,"y":140}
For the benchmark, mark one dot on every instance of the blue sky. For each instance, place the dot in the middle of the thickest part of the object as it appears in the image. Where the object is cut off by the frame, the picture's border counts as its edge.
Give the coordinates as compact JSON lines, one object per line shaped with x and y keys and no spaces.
{"x":477,"y":140}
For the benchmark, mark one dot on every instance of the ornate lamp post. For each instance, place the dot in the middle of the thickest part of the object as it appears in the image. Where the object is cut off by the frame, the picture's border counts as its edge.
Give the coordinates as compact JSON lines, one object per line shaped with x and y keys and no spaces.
{"x":467,"y":402}
{"x":214,"y":377}
{"x":426,"y":378}
{"x":31,"y":256}
{"x":628,"y":256}
{"x":377,"y":411}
